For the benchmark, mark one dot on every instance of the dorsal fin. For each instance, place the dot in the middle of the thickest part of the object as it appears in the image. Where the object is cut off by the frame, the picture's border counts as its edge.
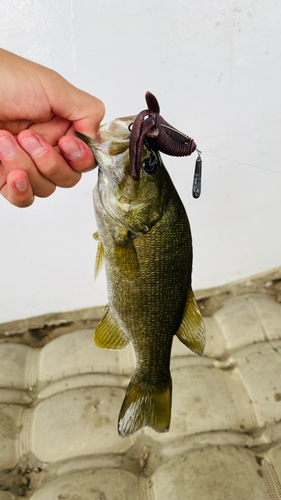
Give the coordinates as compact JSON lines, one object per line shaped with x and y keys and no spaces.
{"x":192,"y":331}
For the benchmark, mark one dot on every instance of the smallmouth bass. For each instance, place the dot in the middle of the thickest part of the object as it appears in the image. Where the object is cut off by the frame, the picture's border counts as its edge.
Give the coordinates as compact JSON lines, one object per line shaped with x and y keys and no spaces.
{"x":145,"y":243}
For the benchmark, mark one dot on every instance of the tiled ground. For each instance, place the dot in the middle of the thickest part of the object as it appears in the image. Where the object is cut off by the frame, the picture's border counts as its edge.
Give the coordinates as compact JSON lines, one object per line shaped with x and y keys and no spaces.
{"x":60,"y":404}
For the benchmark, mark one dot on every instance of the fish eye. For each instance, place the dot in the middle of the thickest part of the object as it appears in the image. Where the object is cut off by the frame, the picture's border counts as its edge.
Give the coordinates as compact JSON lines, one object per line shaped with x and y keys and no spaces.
{"x":150,"y":164}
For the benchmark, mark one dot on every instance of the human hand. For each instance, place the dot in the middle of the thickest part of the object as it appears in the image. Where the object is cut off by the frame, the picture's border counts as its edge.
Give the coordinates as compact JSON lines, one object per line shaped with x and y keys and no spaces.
{"x":39,"y":114}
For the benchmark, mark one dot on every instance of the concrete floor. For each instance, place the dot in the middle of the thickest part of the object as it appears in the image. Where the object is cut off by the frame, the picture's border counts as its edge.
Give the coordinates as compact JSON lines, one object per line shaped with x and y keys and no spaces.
{"x":60,"y":404}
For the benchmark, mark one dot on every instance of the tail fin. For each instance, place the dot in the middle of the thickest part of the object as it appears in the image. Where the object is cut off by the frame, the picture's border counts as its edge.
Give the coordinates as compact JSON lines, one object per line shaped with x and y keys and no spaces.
{"x":145,"y":404}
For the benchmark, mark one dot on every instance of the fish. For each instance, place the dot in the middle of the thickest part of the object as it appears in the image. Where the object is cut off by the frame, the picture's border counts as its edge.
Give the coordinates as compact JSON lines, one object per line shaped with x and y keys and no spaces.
{"x":144,"y":240}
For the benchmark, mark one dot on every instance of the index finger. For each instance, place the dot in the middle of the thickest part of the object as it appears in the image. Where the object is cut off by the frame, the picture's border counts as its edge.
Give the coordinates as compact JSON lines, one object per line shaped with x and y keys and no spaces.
{"x":84,"y":110}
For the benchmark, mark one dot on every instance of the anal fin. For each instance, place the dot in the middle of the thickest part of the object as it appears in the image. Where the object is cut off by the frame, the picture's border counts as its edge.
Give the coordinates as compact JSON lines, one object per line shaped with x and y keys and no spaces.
{"x":192,"y":331}
{"x":109,"y":335}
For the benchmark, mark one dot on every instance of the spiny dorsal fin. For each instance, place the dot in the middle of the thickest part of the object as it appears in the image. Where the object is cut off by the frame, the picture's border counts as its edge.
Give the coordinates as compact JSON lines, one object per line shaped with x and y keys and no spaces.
{"x":145,"y":404}
{"x":99,"y":259}
{"x":96,"y":236}
{"x":191,"y":331}
{"x":109,"y":335}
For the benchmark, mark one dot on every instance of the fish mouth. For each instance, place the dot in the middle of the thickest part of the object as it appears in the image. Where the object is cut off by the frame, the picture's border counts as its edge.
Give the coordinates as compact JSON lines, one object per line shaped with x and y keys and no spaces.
{"x":111,"y":147}
{"x":114,"y":168}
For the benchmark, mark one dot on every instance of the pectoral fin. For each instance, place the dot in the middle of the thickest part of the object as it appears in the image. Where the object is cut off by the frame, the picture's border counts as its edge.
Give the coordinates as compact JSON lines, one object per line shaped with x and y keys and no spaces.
{"x":126,"y":258}
{"x":99,"y":259}
{"x":109,"y":335}
{"x":191,"y":331}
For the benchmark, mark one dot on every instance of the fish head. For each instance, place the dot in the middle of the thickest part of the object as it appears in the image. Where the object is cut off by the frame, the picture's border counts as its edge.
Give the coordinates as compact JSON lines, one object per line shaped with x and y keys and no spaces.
{"x":138,"y":205}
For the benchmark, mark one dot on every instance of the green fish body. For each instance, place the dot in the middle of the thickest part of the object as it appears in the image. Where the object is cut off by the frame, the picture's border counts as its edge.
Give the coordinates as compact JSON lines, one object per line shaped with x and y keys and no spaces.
{"x":145,"y":242}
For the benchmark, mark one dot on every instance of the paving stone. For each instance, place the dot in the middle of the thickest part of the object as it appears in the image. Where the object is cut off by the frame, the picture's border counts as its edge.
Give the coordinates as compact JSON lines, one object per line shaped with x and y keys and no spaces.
{"x":4,"y":495}
{"x":73,"y":354}
{"x":202,"y":402}
{"x":216,"y":474}
{"x":239,"y":322}
{"x":13,"y":360}
{"x":274,"y":454}
{"x":261,"y":375}
{"x":270,"y":471}
{"x":60,"y":406}
{"x":94,"y":485}
{"x":9,"y":435}
{"x":78,"y":423}
{"x":272,"y":433}
{"x":268,"y":313}
{"x":216,"y":342}
{"x":76,"y":353}
{"x":205,"y":439}
{"x":85,"y":380}
{"x":14,"y":396}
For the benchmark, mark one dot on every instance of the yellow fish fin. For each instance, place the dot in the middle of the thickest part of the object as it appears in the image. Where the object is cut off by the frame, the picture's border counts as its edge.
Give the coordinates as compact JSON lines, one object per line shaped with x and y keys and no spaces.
{"x":96,"y":236}
{"x":109,"y":335}
{"x":145,"y":404}
{"x":191,"y":331}
{"x":126,"y":258}
{"x":99,"y":259}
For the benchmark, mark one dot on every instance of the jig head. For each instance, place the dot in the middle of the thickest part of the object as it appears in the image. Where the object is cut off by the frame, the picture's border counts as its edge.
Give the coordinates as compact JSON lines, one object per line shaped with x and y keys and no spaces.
{"x":149,"y":125}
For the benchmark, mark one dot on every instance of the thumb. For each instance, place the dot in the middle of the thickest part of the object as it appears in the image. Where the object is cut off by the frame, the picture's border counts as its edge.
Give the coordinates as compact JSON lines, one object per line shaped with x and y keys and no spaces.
{"x":84,"y":110}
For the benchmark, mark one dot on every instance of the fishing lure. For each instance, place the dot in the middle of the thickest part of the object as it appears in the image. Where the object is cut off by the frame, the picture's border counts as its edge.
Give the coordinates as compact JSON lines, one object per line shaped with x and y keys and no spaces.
{"x":150,"y":126}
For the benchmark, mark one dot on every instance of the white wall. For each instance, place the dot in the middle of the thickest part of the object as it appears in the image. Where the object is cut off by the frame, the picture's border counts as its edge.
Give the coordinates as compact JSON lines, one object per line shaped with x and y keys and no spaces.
{"x":214,"y":66}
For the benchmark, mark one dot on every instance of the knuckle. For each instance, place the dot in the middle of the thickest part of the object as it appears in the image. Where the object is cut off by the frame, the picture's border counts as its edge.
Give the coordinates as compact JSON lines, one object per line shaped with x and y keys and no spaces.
{"x":71,"y":182}
{"x":48,"y":190}
{"x":26,"y":203}
{"x":50,"y":168}
{"x":100,"y":109}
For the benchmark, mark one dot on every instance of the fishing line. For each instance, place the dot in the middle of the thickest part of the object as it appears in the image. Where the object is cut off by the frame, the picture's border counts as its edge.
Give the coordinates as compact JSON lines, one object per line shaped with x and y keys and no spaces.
{"x":242,"y":163}
{"x":196,"y":188}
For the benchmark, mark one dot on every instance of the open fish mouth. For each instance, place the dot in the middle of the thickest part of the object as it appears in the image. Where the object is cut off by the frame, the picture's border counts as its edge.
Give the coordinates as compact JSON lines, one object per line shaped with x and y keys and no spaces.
{"x":111,"y":147}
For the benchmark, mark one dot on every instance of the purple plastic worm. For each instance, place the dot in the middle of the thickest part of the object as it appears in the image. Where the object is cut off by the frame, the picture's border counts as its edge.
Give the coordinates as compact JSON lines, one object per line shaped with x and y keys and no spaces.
{"x":149,"y":125}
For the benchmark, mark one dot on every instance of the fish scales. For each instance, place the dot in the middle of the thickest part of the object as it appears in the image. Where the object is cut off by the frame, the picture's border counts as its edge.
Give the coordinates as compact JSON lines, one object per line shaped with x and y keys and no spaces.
{"x":146,"y":240}
{"x":149,"y":314}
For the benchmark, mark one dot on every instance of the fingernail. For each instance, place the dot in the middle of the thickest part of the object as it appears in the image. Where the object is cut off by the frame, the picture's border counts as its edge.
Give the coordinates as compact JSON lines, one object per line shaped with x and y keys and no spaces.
{"x":71,"y":149}
{"x":31,"y":145}
{"x":21,"y":185}
{"x":7,"y":147}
